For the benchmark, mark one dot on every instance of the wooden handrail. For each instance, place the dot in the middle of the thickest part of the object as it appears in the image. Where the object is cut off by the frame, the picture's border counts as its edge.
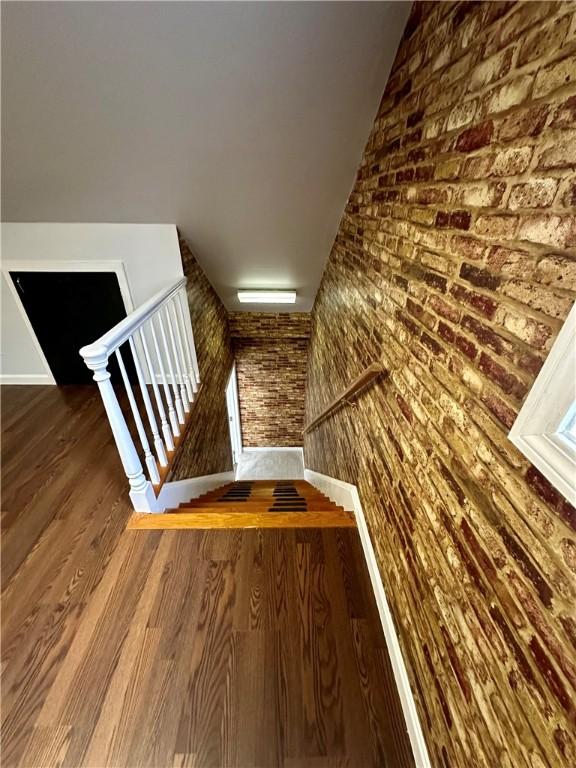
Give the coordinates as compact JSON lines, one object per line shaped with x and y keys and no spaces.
{"x":366,"y":377}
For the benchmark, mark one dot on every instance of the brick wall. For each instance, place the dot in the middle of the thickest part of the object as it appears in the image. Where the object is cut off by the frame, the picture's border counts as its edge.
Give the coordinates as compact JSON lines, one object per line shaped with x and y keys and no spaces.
{"x":271,"y":352}
{"x":207,"y":449}
{"x":455,"y":265}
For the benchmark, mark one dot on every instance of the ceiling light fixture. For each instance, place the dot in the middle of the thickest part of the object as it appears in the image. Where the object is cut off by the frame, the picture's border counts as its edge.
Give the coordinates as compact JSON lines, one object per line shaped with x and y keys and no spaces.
{"x":267,"y":297}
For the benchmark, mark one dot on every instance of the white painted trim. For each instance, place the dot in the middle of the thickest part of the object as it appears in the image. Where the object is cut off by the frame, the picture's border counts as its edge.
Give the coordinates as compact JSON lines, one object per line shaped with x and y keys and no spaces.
{"x":346,"y":495}
{"x":26,"y":378}
{"x":28,"y":265}
{"x":77,"y":265}
{"x":288,"y":448}
{"x":26,"y":320}
{"x":233,"y":408}
{"x":174,"y":493}
{"x":538,"y":424}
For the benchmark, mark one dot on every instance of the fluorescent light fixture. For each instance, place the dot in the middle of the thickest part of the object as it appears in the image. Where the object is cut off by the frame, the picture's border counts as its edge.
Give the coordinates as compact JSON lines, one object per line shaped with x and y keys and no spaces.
{"x":267,"y":297}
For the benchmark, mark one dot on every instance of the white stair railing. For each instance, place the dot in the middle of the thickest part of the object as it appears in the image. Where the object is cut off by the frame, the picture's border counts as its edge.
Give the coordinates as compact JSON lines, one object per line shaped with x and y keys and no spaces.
{"x":174,"y":352}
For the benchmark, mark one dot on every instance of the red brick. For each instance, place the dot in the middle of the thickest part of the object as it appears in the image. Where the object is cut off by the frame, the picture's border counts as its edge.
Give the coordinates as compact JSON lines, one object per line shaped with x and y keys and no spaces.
{"x":476,"y":137}
{"x":467,"y":247}
{"x":405,"y":408}
{"x":414,"y":118}
{"x":406,"y":175}
{"x":424,"y":173}
{"x":486,"y":337}
{"x":431,"y":343}
{"x":565,"y":114}
{"x":446,"y":332}
{"x":444,"y":309}
{"x":550,"y":495}
{"x":479,"y":277}
{"x":525,"y":122}
{"x":506,"y":380}
{"x":460,"y":219}
{"x":467,"y":347}
{"x":484,"y":305}
{"x":498,"y":407}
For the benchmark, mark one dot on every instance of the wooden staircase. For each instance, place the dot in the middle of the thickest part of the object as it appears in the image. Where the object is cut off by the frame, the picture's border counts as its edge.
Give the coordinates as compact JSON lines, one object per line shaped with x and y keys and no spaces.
{"x":253,"y":504}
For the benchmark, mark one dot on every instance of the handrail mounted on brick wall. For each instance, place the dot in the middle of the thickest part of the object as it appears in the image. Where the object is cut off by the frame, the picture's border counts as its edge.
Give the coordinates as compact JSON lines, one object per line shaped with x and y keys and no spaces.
{"x":360,"y":383}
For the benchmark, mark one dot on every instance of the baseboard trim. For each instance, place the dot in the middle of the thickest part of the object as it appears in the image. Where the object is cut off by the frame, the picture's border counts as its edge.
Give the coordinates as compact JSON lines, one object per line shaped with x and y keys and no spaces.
{"x":26,"y":378}
{"x":347,"y":496}
{"x":275,"y":448}
{"x":177,"y":491}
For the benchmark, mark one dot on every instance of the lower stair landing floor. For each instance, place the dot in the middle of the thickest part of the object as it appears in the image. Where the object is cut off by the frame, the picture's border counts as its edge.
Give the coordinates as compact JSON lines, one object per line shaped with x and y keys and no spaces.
{"x":243,"y":648}
{"x":268,"y":464}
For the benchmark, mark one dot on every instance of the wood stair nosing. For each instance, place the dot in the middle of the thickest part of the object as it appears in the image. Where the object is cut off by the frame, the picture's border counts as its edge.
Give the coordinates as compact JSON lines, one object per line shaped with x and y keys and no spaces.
{"x":228,"y":520}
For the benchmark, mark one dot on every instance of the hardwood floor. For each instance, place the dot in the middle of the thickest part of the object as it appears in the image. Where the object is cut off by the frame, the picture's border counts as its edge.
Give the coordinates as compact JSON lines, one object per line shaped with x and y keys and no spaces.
{"x":173,"y":648}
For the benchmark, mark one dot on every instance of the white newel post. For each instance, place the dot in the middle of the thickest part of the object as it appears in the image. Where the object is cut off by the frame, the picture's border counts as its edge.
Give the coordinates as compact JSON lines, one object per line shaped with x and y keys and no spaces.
{"x":141,"y":491}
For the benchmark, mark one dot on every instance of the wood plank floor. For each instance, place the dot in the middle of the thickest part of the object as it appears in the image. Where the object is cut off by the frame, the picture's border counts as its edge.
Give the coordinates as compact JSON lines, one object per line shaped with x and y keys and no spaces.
{"x":173,"y":648}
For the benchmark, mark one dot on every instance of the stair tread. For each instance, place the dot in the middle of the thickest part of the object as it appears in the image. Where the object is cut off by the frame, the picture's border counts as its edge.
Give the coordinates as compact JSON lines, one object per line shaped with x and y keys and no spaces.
{"x":238,"y":509}
{"x":259,"y":500}
{"x":227,"y":520}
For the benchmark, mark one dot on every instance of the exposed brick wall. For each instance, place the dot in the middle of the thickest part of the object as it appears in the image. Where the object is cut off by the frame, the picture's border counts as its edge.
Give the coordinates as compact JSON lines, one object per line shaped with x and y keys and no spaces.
{"x":271,"y":352}
{"x":207,"y":449}
{"x":455,"y":265}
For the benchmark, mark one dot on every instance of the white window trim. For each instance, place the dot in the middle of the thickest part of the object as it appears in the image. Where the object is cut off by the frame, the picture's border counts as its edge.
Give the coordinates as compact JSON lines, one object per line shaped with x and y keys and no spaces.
{"x":538,"y":429}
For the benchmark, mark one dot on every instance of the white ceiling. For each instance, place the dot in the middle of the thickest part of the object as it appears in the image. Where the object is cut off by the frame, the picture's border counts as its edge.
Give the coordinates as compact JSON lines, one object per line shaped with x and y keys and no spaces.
{"x":242,"y":123}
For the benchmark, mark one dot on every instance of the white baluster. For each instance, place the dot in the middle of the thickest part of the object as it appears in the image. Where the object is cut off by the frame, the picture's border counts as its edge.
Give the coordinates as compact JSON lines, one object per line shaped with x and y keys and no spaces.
{"x":141,"y":491}
{"x":158,"y":444}
{"x":188,"y":321}
{"x":177,"y":400}
{"x":186,"y":342}
{"x":171,"y":412}
{"x":183,"y":359}
{"x":183,"y":392}
{"x":157,"y":396}
{"x":149,"y":459}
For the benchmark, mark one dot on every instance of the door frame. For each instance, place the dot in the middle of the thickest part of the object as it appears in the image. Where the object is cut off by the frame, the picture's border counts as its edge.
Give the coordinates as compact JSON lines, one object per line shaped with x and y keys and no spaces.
{"x":233,"y":411}
{"x":38,"y":265}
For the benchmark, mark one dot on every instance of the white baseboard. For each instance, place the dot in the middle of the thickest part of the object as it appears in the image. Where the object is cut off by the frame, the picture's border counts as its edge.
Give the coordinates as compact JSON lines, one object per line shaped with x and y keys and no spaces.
{"x":346,"y":495}
{"x":288,"y":448}
{"x":174,"y":493}
{"x":26,"y":378}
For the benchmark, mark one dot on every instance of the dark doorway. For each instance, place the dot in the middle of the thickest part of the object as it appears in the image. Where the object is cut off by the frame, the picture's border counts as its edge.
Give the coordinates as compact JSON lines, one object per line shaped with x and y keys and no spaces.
{"x":67,"y":311}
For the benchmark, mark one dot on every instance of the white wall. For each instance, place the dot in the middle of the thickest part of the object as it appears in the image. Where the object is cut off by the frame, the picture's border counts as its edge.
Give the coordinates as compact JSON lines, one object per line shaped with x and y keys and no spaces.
{"x":149,"y":253}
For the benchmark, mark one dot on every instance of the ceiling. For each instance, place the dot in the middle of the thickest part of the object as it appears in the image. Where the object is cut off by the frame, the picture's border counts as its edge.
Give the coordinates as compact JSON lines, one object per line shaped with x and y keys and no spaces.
{"x":242,"y":123}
